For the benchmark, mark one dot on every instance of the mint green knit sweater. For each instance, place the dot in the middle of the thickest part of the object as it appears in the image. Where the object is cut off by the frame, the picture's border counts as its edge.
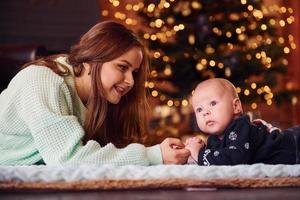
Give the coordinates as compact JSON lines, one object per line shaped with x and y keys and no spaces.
{"x":41,"y":118}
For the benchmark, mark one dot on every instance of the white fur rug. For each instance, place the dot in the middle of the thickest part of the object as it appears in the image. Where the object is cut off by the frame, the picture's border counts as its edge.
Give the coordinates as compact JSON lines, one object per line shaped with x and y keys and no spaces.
{"x":113,"y":177}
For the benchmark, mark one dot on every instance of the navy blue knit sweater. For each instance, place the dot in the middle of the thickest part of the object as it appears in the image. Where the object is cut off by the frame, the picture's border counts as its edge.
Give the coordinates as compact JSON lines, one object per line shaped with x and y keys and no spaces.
{"x":247,"y":143}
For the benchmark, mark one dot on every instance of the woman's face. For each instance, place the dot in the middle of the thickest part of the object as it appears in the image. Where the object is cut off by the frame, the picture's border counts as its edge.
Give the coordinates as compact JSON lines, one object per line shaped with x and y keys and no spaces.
{"x":117,"y":75}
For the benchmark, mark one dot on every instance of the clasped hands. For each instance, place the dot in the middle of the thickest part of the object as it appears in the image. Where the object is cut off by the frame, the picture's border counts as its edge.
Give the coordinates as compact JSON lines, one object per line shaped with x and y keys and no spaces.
{"x":174,"y":151}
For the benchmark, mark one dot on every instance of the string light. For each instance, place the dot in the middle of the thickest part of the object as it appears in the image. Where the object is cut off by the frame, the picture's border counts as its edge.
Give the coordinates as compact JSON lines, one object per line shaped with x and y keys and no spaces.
{"x":254,"y":106}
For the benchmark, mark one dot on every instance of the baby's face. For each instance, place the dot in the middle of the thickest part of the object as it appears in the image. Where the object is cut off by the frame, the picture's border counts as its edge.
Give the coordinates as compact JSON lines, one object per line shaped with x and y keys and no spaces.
{"x":213,"y":107}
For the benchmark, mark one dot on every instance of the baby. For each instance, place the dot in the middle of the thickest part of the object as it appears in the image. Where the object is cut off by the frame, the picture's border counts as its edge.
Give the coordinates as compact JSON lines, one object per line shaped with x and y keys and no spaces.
{"x":233,"y":139}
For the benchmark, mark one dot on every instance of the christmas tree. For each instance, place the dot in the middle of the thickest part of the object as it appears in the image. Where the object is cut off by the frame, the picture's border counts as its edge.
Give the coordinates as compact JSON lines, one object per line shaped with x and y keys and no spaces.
{"x":193,"y":40}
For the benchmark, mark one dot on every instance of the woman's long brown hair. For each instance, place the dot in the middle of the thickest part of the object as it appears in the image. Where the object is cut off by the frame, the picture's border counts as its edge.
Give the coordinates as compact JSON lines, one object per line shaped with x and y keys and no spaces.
{"x":125,"y":122}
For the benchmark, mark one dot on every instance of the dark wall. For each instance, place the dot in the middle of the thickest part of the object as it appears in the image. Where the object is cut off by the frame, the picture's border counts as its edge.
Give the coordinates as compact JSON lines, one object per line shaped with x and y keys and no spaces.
{"x":56,"y":24}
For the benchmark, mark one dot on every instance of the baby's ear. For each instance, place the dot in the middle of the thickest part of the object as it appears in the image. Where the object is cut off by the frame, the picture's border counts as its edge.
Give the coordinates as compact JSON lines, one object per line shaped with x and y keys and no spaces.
{"x":237,"y":106}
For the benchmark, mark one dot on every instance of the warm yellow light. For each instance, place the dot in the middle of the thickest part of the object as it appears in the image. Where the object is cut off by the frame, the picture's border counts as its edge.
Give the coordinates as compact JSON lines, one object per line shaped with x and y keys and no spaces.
{"x":162,"y":97}
{"x":263,"y":27}
{"x":128,"y":6}
{"x":170,"y":20}
{"x":181,"y":26}
{"x":150,"y":84}
{"x":267,"y":89}
{"x":227,"y":72}
{"x":151,"y":7}
{"x":209,"y":50}
{"x":253,"y":106}
{"x":285,"y":61}
{"x":290,"y":20}
{"x":228,"y":34}
{"x":168,"y":33}
{"x":154,"y":73}
{"x":212,"y":63}
{"x":258,"y":14}
{"x":293,"y":45}
{"x":154,"y":93}
{"x":177,"y":103}
{"x":242,"y":37}
{"x":221,"y":65}
{"x":246,"y":92}
{"x":153,"y":37}
{"x":252,"y":26}
{"x":258,"y":55}
{"x":281,"y":40}
{"x":159,"y":23}
{"x":184,"y":102}
{"x":238,"y":90}
{"x":294,"y":100}
{"x":168,"y":70}
{"x":176,"y":28}
{"x":166,"y":58}
{"x":229,"y":45}
{"x":196,"y":5}
{"x":166,"y":4}
{"x":248,"y":57}
{"x":203,"y":61}
{"x":269,"y":102}
{"x":253,"y":85}
{"x":146,"y":36}
{"x":191,"y":39}
{"x":283,"y":9}
{"x":129,"y":21}
{"x":250,"y":7}
{"x":170,"y":103}
{"x":156,"y":54}
{"x":272,"y":22}
{"x":115,"y":3}
{"x":286,"y":50}
{"x":282,"y":23}
{"x":238,"y":31}
{"x":259,"y":38}
{"x":199,"y":67}
{"x":243,"y":2}
{"x":104,"y":13}
{"x":259,"y":91}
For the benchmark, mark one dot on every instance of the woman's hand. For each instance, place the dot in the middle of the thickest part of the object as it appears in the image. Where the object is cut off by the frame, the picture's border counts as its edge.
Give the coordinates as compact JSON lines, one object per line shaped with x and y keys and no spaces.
{"x":173,"y":151}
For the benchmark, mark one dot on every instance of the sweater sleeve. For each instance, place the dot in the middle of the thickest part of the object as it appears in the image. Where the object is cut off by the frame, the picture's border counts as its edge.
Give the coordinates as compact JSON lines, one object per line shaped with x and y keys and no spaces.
{"x":234,"y":148}
{"x":46,"y":108}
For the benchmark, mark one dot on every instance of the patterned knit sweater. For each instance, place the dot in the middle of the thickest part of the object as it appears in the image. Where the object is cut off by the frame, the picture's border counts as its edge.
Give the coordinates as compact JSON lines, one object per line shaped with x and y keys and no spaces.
{"x":41,"y":119}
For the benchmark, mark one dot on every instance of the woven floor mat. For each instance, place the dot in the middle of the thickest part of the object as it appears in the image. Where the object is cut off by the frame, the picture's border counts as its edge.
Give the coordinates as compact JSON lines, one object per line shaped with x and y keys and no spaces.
{"x":154,"y":184}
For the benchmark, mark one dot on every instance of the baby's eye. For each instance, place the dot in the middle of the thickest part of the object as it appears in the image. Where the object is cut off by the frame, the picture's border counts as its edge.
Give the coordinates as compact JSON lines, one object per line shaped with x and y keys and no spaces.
{"x":198,"y":110}
{"x":213,"y":103}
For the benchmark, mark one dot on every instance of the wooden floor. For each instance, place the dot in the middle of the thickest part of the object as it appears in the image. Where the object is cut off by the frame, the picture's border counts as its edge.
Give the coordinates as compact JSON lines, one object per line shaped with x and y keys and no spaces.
{"x":217,"y":194}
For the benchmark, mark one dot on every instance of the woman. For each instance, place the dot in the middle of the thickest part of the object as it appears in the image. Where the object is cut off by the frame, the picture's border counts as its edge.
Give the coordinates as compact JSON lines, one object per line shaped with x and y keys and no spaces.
{"x":88,"y":106}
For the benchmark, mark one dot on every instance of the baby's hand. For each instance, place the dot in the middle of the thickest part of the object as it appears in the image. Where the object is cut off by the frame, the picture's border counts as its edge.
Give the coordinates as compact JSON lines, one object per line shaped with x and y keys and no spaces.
{"x":194,"y":144}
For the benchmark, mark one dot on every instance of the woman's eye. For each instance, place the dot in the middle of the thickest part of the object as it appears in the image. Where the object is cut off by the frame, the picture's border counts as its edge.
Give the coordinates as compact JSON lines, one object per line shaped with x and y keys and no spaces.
{"x":213,"y":103}
{"x":122,"y":67}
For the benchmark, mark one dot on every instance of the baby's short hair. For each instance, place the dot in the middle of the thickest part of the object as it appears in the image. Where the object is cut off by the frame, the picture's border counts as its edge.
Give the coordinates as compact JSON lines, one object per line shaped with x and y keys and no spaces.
{"x":227,"y":85}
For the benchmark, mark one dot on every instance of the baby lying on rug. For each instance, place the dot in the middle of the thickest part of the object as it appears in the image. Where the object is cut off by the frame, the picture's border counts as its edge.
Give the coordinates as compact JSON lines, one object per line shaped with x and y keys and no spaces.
{"x":233,"y":139}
